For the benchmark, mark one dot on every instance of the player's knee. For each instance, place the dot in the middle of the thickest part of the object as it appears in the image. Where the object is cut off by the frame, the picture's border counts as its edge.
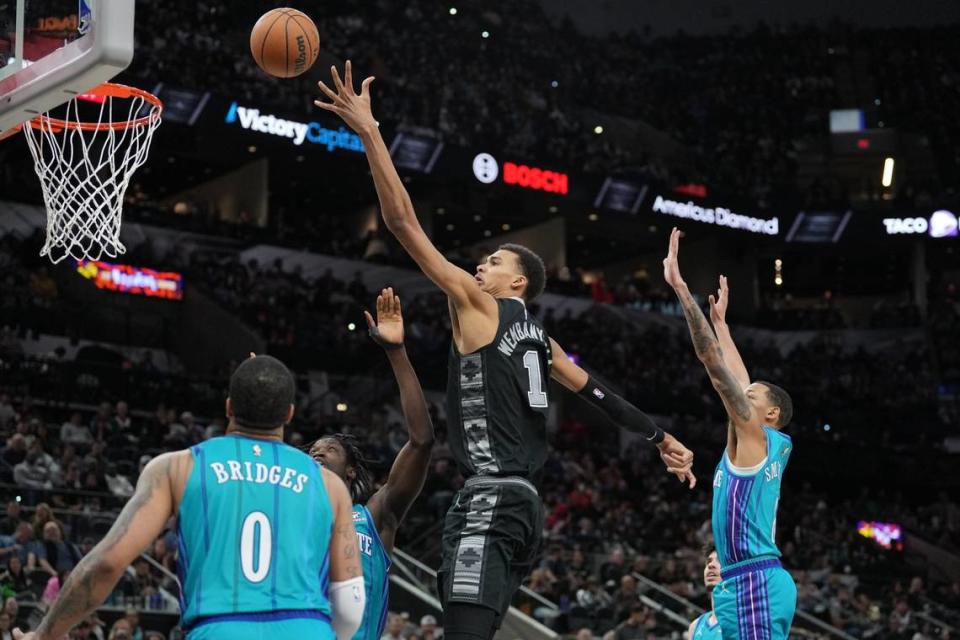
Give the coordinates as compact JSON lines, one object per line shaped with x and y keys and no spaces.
{"x":468,"y":622}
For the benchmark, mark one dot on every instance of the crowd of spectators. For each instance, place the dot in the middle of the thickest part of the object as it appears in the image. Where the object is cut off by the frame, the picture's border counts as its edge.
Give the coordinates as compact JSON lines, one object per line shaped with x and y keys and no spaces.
{"x":518,"y":99}
{"x":613,"y":519}
{"x":317,"y":322}
{"x":598,"y":496}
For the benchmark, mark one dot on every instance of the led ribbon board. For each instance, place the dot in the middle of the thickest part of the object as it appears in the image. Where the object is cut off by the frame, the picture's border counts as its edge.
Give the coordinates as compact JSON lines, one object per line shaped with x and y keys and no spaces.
{"x":887,"y":534}
{"x":133,"y":280}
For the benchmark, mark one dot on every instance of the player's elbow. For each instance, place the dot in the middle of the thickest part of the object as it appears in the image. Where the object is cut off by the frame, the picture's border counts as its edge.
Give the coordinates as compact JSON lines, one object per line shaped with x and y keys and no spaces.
{"x":711,"y":358}
{"x":101,"y":568}
{"x":347,"y":600}
{"x":423,"y":442}
{"x":106,"y":566}
{"x":395,"y":217}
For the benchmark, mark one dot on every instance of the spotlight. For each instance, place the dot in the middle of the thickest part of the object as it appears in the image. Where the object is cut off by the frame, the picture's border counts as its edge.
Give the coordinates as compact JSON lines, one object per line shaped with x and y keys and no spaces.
{"x":887,"y":178}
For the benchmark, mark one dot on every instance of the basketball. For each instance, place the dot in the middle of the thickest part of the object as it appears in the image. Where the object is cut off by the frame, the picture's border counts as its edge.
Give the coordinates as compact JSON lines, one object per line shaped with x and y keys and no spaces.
{"x":284,"y":42}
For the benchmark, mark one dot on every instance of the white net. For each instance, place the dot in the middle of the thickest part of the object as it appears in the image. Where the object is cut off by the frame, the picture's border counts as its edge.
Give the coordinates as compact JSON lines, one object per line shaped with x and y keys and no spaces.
{"x":84,"y":171}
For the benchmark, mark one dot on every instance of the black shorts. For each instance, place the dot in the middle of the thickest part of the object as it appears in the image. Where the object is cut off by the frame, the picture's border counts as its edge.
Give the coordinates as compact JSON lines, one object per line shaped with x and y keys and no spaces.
{"x":492,"y":535}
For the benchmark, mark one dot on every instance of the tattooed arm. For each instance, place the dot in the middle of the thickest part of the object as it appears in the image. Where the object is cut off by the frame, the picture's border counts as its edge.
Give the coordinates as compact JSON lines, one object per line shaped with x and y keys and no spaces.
{"x":346,"y":592}
{"x":718,"y":316}
{"x":95,"y":576}
{"x":344,"y":555}
{"x":745,"y":424}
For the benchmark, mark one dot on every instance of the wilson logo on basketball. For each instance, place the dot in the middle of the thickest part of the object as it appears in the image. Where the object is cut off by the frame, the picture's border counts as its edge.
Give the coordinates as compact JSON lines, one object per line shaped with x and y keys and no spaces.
{"x":300,"y":64}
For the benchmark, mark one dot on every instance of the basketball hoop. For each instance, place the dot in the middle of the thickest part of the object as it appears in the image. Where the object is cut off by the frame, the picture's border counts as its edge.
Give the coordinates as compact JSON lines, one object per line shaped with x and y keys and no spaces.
{"x":86,"y":166}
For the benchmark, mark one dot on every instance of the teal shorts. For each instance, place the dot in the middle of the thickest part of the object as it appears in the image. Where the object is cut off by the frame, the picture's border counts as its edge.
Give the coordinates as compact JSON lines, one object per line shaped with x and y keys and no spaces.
{"x":253,"y":627}
{"x":756,"y":601}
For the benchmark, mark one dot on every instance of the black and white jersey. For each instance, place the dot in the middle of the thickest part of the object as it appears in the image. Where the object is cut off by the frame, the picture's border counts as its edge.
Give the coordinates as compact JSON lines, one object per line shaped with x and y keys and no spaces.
{"x":497,"y":398}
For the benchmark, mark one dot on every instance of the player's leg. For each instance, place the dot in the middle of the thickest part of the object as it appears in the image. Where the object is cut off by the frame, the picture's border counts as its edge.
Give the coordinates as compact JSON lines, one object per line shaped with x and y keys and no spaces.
{"x":781,"y":592}
{"x":757,"y":604}
{"x":488,"y":537}
{"x":463,"y":621}
{"x":725,"y":606}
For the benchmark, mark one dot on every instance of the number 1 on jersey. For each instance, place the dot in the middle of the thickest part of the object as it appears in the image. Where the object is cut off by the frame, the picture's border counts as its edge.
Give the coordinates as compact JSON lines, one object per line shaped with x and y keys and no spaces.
{"x":537,"y":394}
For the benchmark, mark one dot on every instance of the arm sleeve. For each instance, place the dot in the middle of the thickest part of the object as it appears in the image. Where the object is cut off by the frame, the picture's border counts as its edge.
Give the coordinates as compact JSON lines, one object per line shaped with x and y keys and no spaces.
{"x":621,"y":412}
{"x":347,"y":600}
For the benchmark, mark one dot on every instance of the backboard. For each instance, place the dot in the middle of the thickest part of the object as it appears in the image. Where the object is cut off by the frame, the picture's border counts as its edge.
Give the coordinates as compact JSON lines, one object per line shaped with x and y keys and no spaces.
{"x":53,"y":50}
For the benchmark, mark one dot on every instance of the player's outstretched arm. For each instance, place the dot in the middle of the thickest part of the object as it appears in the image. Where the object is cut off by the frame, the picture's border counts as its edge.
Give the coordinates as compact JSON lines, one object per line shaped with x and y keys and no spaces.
{"x":718,"y":316}
{"x":138,"y":525}
{"x":678,"y":458}
{"x":395,"y":203}
{"x":390,"y":504}
{"x":708,"y":348}
{"x":346,"y":593}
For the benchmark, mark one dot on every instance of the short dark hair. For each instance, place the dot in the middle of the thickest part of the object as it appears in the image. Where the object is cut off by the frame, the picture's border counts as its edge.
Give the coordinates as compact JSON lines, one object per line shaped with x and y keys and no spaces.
{"x":779,"y":398}
{"x":261,"y":392}
{"x":531,"y":266}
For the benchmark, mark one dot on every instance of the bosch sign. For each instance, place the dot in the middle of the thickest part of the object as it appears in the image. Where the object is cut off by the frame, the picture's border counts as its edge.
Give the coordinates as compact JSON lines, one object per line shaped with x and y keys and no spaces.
{"x":486,"y":170}
{"x":942,"y":224}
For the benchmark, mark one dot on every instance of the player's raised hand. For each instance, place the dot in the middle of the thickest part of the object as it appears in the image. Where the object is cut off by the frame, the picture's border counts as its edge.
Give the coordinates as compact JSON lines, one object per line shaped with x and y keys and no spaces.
{"x":387,"y":331}
{"x":671,"y":267}
{"x":718,"y":303}
{"x":678,"y":459}
{"x":353,"y":107}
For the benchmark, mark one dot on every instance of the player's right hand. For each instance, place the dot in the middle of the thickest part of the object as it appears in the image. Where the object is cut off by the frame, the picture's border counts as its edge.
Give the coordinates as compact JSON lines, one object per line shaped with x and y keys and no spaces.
{"x":353,"y":107}
{"x":718,"y":304}
{"x":387,"y":331}
{"x":671,"y":266}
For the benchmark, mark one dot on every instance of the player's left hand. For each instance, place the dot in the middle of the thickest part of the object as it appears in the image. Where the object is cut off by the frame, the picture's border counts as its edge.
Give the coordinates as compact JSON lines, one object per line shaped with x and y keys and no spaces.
{"x":671,"y":266}
{"x":353,"y":107}
{"x":387,"y":331}
{"x":718,"y":304}
{"x":678,"y":459}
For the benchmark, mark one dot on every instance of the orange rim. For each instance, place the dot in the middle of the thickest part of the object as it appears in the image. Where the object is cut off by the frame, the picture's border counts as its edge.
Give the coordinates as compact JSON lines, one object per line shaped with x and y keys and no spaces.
{"x":106,"y":90}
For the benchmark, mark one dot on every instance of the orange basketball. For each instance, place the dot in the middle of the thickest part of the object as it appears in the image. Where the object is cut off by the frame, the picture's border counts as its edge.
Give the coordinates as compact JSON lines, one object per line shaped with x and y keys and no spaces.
{"x":285,"y":42}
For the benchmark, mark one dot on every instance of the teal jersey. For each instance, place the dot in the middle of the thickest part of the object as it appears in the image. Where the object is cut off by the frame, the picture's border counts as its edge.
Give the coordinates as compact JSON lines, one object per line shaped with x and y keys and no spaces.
{"x":255,"y":527}
{"x":376,"y":575}
{"x":745,"y":504}
{"x":704,"y":630}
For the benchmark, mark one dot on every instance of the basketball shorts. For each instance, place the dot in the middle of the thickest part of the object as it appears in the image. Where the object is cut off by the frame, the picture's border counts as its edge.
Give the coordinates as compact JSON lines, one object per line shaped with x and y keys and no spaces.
{"x":492,"y":536}
{"x":240,"y":627}
{"x":756,"y":599}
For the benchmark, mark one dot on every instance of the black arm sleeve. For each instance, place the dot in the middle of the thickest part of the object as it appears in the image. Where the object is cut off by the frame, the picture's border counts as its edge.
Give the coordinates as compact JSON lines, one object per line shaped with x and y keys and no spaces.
{"x":621,"y":412}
